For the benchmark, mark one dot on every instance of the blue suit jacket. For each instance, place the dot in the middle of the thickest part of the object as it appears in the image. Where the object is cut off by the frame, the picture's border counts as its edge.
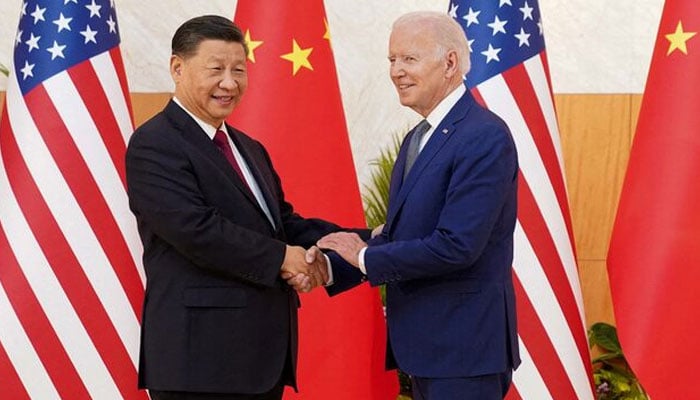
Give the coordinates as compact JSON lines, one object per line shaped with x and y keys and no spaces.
{"x":446,"y":251}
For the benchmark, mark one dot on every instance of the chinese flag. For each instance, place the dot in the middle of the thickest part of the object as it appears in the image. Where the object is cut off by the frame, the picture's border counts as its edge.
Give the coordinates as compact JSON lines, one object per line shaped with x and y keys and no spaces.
{"x":654,"y":255}
{"x":293,"y":107}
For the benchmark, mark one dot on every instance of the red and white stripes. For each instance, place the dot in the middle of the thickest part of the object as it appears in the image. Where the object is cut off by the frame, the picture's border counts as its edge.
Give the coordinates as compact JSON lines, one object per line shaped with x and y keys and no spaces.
{"x":556,"y":363}
{"x":71,"y":280}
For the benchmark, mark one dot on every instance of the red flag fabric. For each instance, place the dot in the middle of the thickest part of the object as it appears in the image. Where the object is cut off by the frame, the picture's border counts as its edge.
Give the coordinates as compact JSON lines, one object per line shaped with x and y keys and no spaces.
{"x":293,"y":106}
{"x":71,"y":283}
{"x":510,"y":76}
{"x":654,"y":250}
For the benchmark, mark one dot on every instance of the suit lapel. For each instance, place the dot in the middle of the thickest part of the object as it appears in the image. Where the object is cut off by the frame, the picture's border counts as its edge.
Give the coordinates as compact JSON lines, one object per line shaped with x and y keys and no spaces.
{"x":395,"y":184}
{"x":193,"y":133}
{"x":442,"y":134}
{"x":255,"y":163}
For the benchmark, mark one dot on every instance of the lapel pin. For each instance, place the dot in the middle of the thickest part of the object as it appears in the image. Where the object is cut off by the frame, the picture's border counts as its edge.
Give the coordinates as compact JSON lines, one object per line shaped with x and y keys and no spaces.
{"x":445,"y":131}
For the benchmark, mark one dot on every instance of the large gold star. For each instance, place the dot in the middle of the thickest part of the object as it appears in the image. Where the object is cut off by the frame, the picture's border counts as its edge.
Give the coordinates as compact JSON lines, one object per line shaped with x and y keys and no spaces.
{"x":299,"y":57}
{"x":252,"y":45}
{"x":678,"y":39}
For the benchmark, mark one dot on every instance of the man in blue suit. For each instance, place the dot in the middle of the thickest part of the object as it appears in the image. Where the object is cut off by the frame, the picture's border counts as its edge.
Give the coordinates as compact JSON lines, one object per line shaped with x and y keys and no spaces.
{"x":446,"y":250}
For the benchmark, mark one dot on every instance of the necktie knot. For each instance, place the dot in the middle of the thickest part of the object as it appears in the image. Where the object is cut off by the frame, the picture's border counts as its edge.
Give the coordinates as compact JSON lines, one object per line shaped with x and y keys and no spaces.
{"x":220,"y":139}
{"x":414,"y":145}
{"x":422,"y":128}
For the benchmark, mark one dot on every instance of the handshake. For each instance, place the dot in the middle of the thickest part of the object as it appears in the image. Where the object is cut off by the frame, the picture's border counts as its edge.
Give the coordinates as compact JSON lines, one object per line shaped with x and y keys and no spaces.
{"x":307,"y":269}
{"x":304,"y":269}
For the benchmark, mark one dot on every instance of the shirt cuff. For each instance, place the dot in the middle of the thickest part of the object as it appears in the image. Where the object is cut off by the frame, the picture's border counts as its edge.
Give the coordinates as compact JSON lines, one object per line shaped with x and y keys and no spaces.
{"x":330,"y":271}
{"x":361,"y":260}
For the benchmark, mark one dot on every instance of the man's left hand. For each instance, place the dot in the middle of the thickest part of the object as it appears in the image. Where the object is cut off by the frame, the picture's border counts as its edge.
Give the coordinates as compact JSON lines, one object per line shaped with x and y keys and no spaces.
{"x":346,"y":244}
{"x":300,"y":282}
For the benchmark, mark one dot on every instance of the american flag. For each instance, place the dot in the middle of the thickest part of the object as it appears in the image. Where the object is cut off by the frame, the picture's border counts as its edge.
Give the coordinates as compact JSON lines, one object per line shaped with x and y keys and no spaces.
{"x":509,"y":75}
{"x":71,"y":281}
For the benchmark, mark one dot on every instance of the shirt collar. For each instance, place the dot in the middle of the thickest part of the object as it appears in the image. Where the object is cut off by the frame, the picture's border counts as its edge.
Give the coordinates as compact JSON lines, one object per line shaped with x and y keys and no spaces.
{"x":440,"y":111}
{"x":208,"y":129}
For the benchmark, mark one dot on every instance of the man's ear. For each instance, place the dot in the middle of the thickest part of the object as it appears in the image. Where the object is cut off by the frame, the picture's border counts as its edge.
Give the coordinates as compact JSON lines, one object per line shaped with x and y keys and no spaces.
{"x":451,"y":63}
{"x":175,"y":67}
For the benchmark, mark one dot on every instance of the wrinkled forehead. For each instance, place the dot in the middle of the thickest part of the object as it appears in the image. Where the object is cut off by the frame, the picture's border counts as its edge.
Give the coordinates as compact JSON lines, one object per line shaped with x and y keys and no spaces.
{"x":405,"y":40}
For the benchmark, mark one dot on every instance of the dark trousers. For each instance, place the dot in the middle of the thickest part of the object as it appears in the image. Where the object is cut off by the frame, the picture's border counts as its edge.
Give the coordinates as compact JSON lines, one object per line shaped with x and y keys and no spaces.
{"x":274,"y":394}
{"x":484,"y":387}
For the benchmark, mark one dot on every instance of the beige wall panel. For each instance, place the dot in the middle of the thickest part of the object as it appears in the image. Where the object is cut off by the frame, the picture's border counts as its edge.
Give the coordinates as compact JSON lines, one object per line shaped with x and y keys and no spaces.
{"x":596,"y":132}
{"x":146,"y":105}
{"x":636,"y":105}
{"x":595,"y":144}
{"x":596,"y":292}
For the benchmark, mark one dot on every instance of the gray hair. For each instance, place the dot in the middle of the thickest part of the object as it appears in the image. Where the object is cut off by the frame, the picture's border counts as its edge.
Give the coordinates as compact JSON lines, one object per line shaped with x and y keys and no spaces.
{"x":447,"y":32}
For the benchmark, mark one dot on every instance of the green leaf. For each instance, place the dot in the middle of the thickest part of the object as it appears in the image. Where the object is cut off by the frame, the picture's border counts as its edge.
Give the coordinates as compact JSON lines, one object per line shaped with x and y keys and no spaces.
{"x":4,"y":70}
{"x":605,"y":336}
{"x":376,"y":196}
{"x":606,"y":357}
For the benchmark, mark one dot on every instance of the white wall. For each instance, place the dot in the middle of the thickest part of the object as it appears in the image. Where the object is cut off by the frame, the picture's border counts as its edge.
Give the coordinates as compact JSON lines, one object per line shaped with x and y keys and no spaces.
{"x":593,"y":46}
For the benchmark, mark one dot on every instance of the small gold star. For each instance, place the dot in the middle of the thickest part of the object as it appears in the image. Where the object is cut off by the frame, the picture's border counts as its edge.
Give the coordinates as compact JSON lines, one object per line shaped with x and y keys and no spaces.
{"x":299,"y":57}
{"x":252,"y":45}
{"x":327,"y":35}
{"x":678,"y":39}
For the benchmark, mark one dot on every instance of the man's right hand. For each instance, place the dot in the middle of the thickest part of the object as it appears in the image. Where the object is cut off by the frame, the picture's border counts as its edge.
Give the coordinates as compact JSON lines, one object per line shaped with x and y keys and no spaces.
{"x":311,"y":264}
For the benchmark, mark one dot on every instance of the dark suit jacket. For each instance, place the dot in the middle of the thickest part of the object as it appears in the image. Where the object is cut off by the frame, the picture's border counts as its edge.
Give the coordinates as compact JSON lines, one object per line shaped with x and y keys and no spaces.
{"x":216,"y":316}
{"x":446,"y":251}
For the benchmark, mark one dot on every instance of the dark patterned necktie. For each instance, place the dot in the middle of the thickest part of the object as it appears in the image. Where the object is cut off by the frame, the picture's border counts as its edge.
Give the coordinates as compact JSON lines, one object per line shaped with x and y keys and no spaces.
{"x":414,"y":145}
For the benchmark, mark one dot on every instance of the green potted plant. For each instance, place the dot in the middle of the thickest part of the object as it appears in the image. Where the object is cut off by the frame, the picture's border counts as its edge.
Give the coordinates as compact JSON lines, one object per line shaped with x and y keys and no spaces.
{"x":612,"y":375}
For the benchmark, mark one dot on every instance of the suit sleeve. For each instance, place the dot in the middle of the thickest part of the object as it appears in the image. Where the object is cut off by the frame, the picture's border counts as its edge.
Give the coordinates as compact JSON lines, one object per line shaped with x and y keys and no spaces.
{"x":302,"y":231}
{"x":345,"y":276}
{"x":482,"y":180}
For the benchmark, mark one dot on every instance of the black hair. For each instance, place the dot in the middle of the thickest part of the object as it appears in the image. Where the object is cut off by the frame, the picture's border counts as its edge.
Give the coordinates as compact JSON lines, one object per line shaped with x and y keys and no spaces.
{"x":194,"y":31}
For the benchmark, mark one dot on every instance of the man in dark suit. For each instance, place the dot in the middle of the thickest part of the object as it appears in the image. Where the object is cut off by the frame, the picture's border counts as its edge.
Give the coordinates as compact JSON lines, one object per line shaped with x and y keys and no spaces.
{"x":218,"y":321}
{"x":446,"y":249}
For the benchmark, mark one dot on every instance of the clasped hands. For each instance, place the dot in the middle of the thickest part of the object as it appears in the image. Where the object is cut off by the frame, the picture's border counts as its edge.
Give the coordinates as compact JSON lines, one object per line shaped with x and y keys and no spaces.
{"x":304,"y":269}
{"x":307,"y":269}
